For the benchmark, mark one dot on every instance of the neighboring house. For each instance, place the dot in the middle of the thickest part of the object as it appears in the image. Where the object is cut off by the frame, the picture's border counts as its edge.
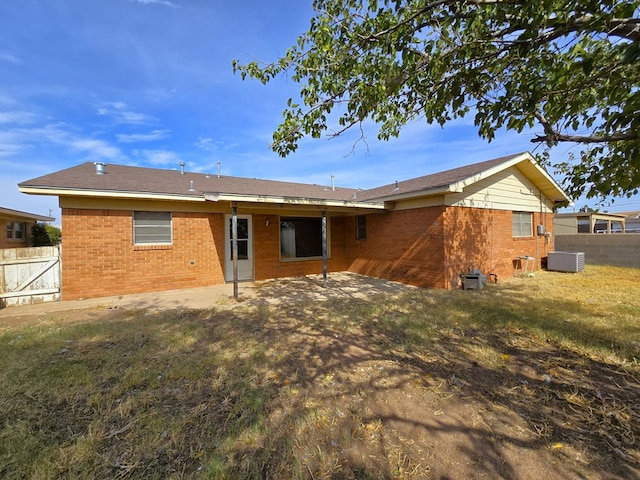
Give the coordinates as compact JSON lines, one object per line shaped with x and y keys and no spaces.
{"x":131,"y":229}
{"x":16,"y":227}
{"x":632,"y":222}
{"x":588,"y":222}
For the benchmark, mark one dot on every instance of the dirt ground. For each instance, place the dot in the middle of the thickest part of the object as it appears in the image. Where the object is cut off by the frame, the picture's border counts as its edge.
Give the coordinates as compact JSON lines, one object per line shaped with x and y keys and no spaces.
{"x":543,"y":413}
{"x":340,"y":285}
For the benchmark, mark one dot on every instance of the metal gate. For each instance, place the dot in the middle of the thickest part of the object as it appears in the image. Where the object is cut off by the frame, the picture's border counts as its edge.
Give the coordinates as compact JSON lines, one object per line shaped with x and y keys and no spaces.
{"x":29,"y":275}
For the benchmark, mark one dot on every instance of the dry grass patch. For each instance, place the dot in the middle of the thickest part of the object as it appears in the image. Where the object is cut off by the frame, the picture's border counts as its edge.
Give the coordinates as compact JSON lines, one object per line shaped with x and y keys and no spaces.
{"x":535,"y":377}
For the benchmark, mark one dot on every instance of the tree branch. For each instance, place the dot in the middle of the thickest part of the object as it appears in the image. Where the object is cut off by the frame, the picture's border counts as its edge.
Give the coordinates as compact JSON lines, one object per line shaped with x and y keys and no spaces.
{"x":552,"y":136}
{"x":559,"y":137}
{"x":628,"y":28}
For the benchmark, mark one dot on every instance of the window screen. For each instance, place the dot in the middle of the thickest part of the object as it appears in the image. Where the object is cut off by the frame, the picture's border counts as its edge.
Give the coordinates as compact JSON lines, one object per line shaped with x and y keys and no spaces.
{"x":152,"y":228}
{"x":522,"y":224}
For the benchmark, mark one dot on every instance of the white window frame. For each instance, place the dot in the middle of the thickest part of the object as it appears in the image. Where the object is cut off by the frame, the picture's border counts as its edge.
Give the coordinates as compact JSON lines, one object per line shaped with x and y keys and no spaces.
{"x":518,"y":225}
{"x":15,"y":228}
{"x":153,"y":220}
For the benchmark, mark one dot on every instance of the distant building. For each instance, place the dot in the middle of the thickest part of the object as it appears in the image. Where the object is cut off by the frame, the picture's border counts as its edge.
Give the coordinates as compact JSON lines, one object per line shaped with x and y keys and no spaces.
{"x":632,"y":221}
{"x":589,"y":222}
{"x":16,"y":227}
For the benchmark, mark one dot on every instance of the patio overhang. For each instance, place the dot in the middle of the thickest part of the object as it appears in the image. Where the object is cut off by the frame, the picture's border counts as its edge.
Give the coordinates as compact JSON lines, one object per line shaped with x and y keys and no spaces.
{"x":298,"y":203}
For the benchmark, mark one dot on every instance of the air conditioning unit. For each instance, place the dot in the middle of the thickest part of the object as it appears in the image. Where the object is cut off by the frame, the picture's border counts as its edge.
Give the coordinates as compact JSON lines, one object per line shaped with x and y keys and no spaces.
{"x":474,"y":280}
{"x":566,"y":261}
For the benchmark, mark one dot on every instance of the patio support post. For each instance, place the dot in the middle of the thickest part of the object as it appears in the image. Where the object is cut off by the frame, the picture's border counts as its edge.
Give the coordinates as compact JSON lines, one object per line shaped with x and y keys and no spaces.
{"x":234,"y":248}
{"x":324,"y":249}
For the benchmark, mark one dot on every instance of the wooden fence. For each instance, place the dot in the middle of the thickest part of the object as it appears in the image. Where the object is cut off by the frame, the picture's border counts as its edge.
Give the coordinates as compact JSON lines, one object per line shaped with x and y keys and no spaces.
{"x":29,"y":275}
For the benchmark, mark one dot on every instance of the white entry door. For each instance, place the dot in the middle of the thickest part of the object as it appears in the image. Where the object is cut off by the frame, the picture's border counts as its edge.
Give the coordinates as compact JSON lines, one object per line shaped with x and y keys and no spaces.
{"x":245,"y":249}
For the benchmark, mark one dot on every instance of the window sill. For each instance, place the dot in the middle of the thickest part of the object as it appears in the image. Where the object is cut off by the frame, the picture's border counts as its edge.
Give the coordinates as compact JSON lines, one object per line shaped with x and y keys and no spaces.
{"x":302,"y":259}
{"x":152,"y":247}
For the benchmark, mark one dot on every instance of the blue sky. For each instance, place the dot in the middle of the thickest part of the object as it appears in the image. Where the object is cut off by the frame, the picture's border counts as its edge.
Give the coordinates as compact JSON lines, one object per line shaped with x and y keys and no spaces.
{"x":150,"y":83}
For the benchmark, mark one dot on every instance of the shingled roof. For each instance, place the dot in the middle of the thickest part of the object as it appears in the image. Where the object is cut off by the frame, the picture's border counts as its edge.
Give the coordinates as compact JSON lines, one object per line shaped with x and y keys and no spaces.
{"x":436,"y":181}
{"x":9,"y":212}
{"x":126,"y":181}
{"x":135,"y":180}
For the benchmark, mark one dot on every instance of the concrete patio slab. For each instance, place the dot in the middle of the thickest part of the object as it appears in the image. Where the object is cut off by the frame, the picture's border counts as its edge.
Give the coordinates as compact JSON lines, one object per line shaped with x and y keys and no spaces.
{"x":342,"y":285}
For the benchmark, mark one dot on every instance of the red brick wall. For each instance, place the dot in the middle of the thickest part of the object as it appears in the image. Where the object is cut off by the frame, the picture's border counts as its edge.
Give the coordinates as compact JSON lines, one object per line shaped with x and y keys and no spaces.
{"x":99,"y":258}
{"x":483,"y":239}
{"x":431,"y":247}
{"x":266,"y":249}
{"x":406,"y":246}
{"x":428,"y":247}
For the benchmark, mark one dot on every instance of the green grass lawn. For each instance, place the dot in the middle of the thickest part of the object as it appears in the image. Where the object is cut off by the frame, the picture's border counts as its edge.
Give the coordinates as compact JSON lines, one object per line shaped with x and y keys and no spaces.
{"x":260,"y":391}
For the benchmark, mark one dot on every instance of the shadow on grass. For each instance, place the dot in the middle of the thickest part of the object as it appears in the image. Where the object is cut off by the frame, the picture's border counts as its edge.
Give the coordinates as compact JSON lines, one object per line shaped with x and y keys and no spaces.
{"x":413,"y":385}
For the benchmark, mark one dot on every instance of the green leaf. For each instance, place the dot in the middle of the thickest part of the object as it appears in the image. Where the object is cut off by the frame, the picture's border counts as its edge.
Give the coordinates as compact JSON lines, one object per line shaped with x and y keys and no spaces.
{"x":394,"y":61}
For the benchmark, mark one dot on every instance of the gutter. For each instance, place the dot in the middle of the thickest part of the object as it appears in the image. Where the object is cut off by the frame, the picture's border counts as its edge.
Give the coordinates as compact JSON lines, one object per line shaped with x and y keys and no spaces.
{"x":107,"y":194}
{"x":418,"y":194}
{"x":268,"y":199}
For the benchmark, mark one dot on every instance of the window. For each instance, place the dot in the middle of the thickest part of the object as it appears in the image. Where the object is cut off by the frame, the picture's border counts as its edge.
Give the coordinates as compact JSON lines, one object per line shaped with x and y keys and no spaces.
{"x":522,"y":224}
{"x":300,"y":237}
{"x":584,"y":225}
{"x":361,"y":227}
{"x":243,"y":239}
{"x":151,"y":228}
{"x":16,"y":231}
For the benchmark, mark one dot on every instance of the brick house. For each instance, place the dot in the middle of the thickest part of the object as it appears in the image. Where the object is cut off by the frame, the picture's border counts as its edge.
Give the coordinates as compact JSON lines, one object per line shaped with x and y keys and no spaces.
{"x":16,"y":227}
{"x":131,"y":229}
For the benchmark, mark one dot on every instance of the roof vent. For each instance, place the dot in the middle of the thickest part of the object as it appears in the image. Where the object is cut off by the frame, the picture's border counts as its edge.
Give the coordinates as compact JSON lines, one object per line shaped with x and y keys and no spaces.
{"x":219,"y":169}
{"x":99,"y":168}
{"x":397,"y":187}
{"x":333,"y":184}
{"x":182,"y":168}
{"x":191,"y":188}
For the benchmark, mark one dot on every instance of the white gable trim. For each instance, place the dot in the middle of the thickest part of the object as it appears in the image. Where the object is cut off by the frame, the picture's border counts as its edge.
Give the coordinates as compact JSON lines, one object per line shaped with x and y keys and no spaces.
{"x":554,"y":191}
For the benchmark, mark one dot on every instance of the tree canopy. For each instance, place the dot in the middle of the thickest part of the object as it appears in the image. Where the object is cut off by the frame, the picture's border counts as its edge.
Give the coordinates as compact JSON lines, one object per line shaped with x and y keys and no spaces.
{"x":568,"y":69}
{"x":43,"y":234}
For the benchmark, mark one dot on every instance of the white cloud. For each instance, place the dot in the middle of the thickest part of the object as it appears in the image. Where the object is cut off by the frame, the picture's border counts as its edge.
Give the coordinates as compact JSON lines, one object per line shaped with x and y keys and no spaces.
{"x":7,"y":57}
{"x":97,"y":148}
{"x":119,"y":112}
{"x":206,"y":143}
{"x":16,"y":117}
{"x":158,"y":157}
{"x":7,"y":100}
{"x":208,"y":167}
{"x":156,"y":2}
{"x":10,"y":149}
{"x":94,"y":148}
{"x":143,"y":137}
{"x":16,"y":140}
